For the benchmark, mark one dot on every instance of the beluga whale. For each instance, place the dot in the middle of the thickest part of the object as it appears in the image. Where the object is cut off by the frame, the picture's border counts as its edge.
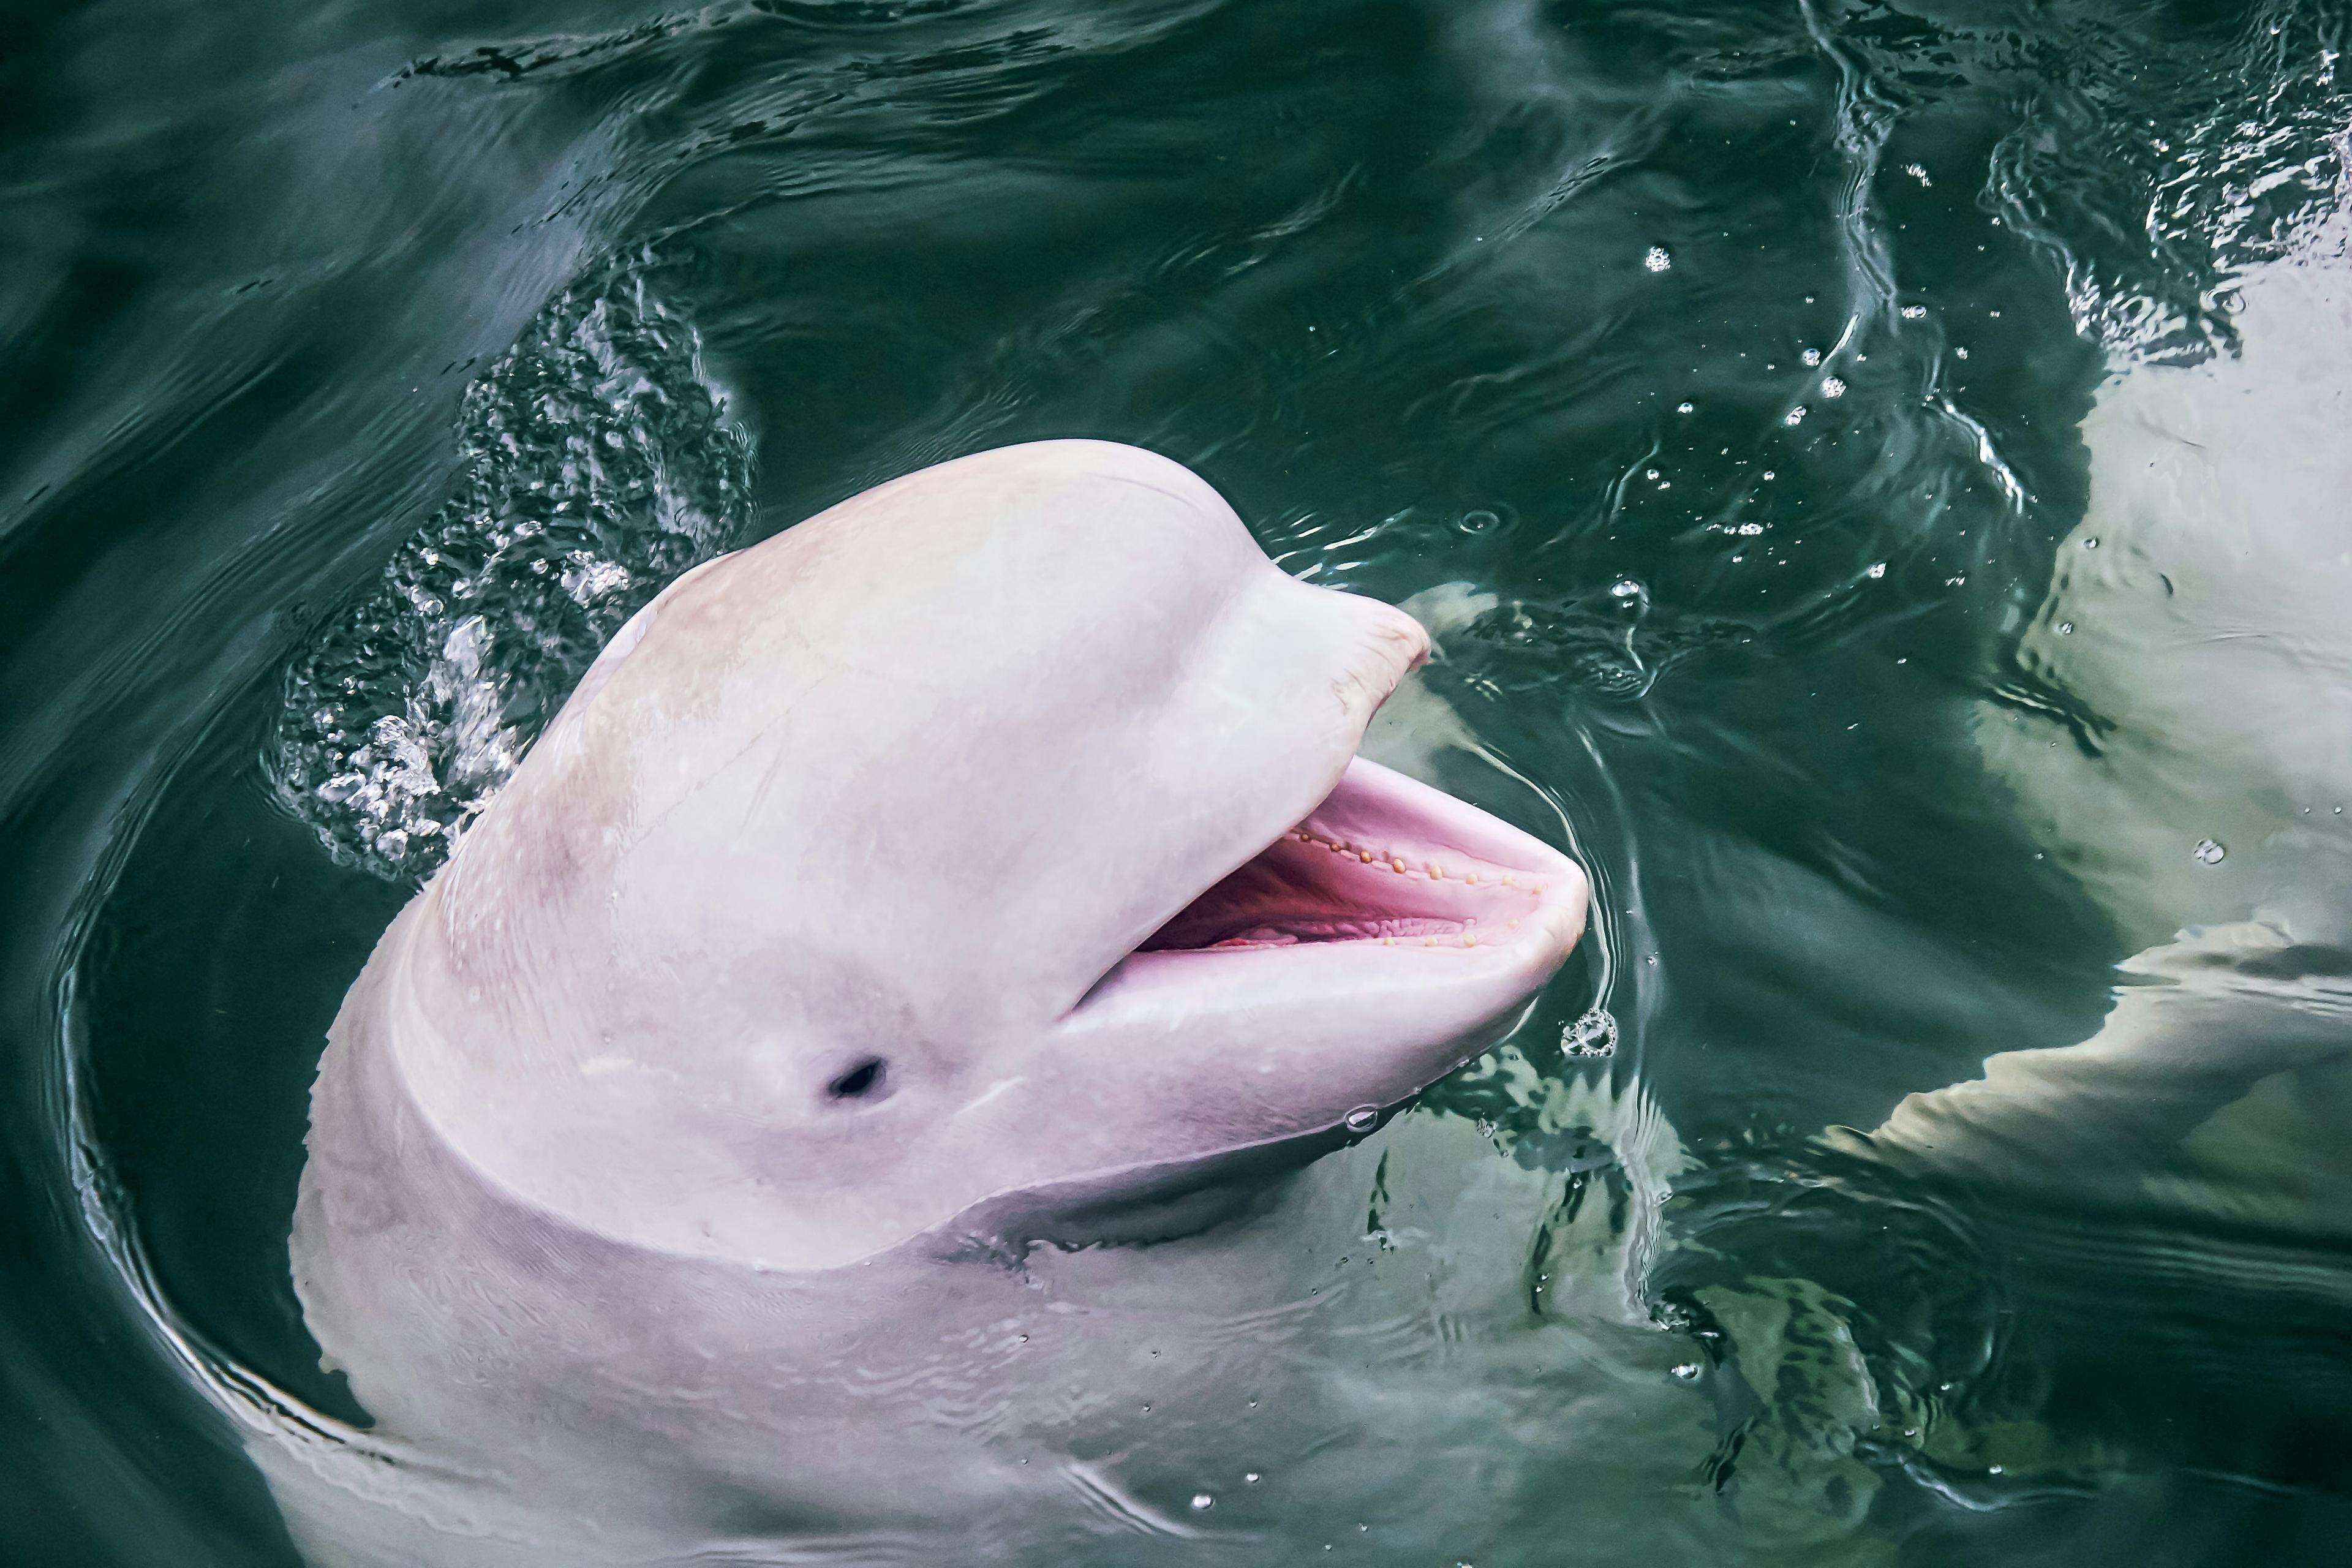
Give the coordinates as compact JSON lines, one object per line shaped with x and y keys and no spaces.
{"x":816,"y":1109}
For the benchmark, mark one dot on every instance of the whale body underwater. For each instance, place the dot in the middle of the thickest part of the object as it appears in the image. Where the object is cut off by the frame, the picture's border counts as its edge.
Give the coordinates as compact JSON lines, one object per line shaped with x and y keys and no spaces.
{"x":2195,"y":628}
{"x":918,"y":960}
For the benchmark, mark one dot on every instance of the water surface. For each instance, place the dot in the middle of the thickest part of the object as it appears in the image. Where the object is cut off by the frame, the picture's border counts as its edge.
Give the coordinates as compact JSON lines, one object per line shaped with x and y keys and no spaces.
{"x":1740,"y":391}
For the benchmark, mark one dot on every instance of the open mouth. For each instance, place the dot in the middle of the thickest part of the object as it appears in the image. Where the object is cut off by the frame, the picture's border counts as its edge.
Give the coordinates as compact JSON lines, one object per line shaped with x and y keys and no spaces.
{"x":1384,"y":861}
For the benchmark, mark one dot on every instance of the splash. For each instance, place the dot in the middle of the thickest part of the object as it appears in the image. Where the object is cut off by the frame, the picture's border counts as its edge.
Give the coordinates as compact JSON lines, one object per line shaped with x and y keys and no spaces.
{"x":596,"y":462}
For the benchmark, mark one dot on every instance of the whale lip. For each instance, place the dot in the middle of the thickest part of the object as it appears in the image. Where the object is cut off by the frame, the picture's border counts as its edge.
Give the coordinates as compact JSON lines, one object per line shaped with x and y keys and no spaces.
{"x":1387,"y":882}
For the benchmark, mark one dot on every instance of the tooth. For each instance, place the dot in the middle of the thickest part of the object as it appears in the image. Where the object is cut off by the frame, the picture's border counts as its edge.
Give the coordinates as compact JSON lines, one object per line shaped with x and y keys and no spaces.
{"x":1515,"y":923}
{"x":1388,"y":942}
{"x":1471,"y":878}
{"x":1469,"y":939}
{"x":1397,"y":865}
{"x":1429,"y":942}
{"x":1367,"y":855}
{"x":1506,"y":878}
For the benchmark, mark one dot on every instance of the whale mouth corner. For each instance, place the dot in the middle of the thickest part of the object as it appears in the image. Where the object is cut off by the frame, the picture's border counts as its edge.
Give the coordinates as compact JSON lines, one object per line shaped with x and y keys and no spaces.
{"x":1386,"y":862}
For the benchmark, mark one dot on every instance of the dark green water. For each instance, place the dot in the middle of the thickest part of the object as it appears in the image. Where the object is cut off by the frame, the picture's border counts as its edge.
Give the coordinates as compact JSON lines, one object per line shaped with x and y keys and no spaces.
{"x":312,"y":312}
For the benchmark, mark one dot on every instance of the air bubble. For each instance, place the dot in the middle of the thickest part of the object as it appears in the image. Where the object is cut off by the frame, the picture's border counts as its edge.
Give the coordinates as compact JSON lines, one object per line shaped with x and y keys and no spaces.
{"x":1202,"y":1502}
{"x":1794,"y":416}
{"x":1877,"y":569}
{"x":2065,"y":628}
{"x":1592,"y":1034}
{"x":2092,"y":542}
{"x":1832,"y":387}
{"x":586,"y":578}
{"x":1477,"y":521}
{"x":1362,"y":1117}
{"x":1682,"y":408}
{"x":1687,"y":1371}
{"x":2208,"y":852}
{"x":1657,"y":260}
{"x":1914,"y":313}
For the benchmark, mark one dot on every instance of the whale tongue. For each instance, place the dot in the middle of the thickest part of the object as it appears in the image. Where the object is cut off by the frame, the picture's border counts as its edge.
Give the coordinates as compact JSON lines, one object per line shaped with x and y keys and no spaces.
{"x":1381,"y":860}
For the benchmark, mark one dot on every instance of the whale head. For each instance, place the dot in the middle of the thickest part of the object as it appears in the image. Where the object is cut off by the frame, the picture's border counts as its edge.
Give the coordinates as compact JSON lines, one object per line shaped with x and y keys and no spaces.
{"x":998,"y":831}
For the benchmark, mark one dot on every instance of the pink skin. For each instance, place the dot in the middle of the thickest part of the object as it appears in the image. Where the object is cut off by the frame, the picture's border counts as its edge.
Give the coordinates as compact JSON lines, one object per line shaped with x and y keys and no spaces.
{"x":1398,"y":861}
{"x":989,"y":850}
{"x":1371,"y":899}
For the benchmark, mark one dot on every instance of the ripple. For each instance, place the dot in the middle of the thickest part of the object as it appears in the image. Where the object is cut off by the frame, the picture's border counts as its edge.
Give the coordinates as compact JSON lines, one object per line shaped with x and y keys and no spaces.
{"x":2214,"y":183}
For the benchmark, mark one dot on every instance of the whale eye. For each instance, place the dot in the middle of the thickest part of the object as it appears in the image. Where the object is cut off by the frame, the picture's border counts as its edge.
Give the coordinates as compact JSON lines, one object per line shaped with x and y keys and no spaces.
{"x":863,"y":1081}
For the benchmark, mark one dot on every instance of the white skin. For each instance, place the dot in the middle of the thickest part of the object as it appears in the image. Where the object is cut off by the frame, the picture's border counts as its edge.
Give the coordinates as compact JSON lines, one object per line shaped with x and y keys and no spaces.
{"x":984,"y":860}
{"x":2203,"y":610}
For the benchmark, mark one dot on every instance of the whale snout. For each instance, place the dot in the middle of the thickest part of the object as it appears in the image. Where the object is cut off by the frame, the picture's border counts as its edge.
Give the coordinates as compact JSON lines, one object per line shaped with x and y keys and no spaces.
{"x":1390,"y":645}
